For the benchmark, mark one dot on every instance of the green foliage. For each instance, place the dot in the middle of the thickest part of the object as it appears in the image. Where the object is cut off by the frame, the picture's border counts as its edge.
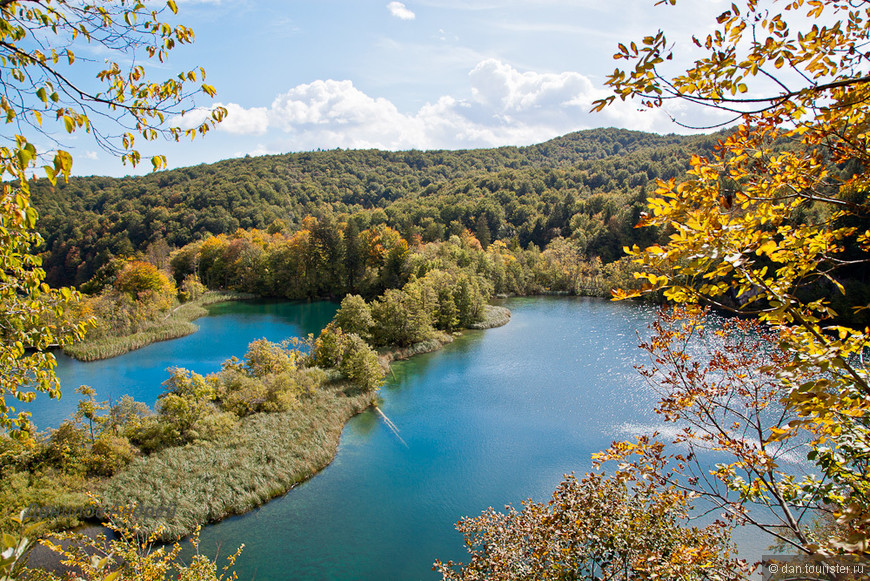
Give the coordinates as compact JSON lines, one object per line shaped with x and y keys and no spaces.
{"x":330,"y":344}
{"x":110,"y":454}
{"x":32,"y":313}
{"x":88,"y":409}
{"x":572,"y":186}
{"x":14,"y":550}
{"x":131,"y":555}
{"x":355,"y":316}
{"x":400,"y":319}
{"x":37,"y":40}
{"x":266,"y":358}
{"x":360,"y":364}
{"x":191,"y":288}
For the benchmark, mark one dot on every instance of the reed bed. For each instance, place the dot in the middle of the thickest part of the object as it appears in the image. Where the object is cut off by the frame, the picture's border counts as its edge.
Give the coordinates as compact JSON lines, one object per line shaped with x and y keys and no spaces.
{"x":267,"y":455}
{"x":493,"y":316}
{"x":178,"y":323}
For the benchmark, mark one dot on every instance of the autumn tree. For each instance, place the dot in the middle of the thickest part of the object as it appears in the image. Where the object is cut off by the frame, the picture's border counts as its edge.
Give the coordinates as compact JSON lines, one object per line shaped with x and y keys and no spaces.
{"x":360,"y":364}
{"x":769,"y":224}
{"x":40,"y":100}
{"x":719,"y":383}
{"x":138,"y":278}
{"x":620,"y":526}
{"x":130,"y":554}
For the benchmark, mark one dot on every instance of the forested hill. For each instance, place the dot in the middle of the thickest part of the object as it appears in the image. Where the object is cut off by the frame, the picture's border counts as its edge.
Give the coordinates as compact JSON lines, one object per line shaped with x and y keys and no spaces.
{"x":588,"y":185}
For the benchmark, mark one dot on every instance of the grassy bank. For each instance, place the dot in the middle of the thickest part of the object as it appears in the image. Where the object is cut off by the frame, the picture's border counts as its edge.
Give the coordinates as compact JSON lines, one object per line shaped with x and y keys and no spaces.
{"x":267,"y":455}
{"x":178,"y":323}
{"x":493,"y":317}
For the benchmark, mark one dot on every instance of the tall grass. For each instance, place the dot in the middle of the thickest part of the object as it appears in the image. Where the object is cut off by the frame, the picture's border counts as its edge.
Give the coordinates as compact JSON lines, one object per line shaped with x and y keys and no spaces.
{"x":493,"y":316}
{"x":176,"y":324}
{"x":263,"y":458}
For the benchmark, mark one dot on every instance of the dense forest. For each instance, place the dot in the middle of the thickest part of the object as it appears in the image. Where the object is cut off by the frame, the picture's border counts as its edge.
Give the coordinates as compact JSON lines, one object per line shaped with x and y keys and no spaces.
{"x":589,"y":186}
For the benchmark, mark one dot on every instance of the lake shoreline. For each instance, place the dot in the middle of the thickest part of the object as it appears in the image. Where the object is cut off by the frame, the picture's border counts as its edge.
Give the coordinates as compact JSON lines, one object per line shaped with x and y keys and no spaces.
{"x":178,"y":323}
{"x":302,"y":443}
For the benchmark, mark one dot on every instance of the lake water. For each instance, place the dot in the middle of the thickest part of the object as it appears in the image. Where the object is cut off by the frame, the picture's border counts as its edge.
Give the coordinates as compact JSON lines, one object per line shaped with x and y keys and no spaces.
{"x":494,"y":418}
{"x":140,"y":373}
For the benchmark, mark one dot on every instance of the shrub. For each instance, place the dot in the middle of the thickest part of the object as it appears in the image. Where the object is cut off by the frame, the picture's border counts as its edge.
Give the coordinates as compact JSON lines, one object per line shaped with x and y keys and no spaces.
{"x":329,"y":346}
{"x":360,"y":364}
{"x":216,"y":426}
{"x":109,"y":454}
{"x":191,"y":288}
{"x":265,"y":358}
{"x":355,"y":316}
{"x":153,"y":435}
{"x":67,"y":448}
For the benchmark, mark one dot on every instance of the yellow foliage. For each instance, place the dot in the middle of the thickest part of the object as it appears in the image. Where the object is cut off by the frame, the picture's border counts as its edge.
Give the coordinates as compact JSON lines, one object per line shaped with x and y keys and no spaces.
{"x":741,"y":237}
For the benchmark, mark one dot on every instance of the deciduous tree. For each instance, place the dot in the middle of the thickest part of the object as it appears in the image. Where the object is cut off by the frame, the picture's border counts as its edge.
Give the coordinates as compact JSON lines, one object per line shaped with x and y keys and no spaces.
{"x":795,"y":74}
{"x":621,"y":526}
{"x":39,"y":99}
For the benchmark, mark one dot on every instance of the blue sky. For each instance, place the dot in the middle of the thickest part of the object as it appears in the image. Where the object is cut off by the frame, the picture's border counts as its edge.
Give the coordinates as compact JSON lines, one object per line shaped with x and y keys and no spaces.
{"x":423,"y":74}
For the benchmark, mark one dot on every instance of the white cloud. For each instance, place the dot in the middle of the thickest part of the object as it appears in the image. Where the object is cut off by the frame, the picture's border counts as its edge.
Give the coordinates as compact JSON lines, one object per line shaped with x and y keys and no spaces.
{"x":507,"y":107}
{"x":400,"y":11}
{"x":241,"y":121}
{"x":337,"y":114}
{"x":238,"y":120}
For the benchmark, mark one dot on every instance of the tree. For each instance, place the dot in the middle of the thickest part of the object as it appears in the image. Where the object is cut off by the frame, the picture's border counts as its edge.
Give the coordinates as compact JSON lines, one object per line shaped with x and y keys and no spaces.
{"x":719,"y":383}
{"x":360,"y":363}
{"x":400,"y":319}
{"x":329,"y":346}
{"x":141,"y":277}
{"x":622,"y":526}
{"x":780,"y":209}
{"x":265,"y":358}
{"x":355,"y":316}
{"x":89,"y":409}
{"x":40,"y":98}
{"x":131,"y":554}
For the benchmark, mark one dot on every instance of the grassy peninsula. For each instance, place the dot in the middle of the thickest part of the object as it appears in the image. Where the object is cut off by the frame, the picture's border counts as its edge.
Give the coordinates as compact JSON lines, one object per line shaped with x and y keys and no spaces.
{"x":266,"y":454}
{"x":224,"y":444}
{"x":263,"y":457}
{"x":178,"y":322}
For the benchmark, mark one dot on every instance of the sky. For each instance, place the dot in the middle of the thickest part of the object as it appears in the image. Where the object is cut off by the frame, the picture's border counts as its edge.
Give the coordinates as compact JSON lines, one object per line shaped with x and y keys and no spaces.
{"x":419,"y":74}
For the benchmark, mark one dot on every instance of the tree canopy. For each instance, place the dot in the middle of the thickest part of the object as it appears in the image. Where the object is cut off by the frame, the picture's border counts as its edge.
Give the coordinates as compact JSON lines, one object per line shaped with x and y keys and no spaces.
{"x":41,"y":101}
{"x":767,"y":226}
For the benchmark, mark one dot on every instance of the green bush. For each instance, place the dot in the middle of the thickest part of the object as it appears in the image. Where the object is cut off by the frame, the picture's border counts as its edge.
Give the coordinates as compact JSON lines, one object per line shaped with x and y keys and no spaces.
{"x":355,"y":316}
{"x":360,"y":364}
{"x":215,"y":427}
{"x":110,"y":454}
{"x":153,"y":434}
{"x":67,"y":448}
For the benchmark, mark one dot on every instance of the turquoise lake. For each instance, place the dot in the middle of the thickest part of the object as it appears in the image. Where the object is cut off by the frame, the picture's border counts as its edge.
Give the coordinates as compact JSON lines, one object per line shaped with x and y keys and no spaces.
{"x":224,"y":334}
{"x":496,"y":417}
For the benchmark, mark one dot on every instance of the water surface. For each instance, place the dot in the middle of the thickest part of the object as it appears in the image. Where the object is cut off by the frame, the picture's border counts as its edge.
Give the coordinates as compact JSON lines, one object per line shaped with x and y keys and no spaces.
{"x":494,"y":418}
{"x":224,"y":334}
